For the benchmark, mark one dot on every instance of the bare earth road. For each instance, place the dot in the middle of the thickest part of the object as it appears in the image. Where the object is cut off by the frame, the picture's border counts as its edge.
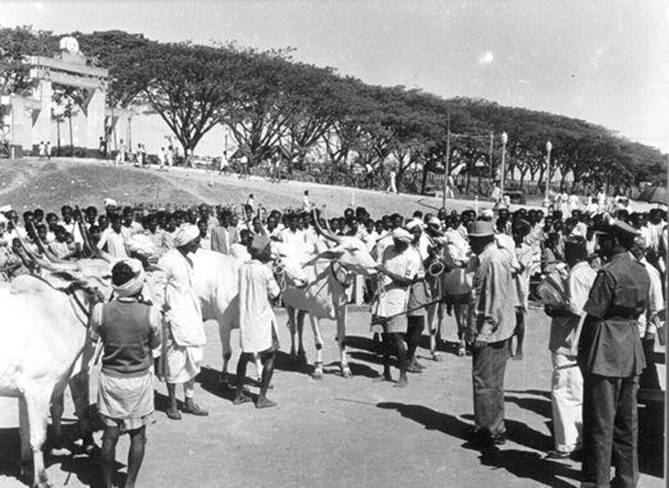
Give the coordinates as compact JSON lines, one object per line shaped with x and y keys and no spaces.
{"x":344,"y":433}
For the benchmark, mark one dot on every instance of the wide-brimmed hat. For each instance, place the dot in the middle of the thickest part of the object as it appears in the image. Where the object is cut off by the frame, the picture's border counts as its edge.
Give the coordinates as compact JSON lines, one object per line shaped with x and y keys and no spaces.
{"x":618,"y":228}
{"x":481,"y":228}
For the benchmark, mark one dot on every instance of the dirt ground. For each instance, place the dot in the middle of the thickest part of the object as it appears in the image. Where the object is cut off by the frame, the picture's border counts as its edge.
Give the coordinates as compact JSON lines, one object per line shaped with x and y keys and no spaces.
{"x":345,"y":432}
{"x":331,"y":433}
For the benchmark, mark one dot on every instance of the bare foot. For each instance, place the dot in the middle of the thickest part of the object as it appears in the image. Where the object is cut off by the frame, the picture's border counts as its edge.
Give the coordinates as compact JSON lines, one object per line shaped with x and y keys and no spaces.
{"x":265,"y":403}
{"x":401,"y":383}
{"x":382,"y":377}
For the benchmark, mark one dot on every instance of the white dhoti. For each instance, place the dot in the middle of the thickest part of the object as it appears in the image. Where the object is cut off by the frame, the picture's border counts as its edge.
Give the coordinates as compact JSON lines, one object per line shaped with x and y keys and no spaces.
{"x":125,"y":402}
{"x":567,"y":401}
{"x":182,"y":362}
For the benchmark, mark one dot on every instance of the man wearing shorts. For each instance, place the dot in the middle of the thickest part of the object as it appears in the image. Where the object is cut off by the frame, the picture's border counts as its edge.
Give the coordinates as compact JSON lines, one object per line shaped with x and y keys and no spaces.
{"x":129,"y":329}
{"x":399,"y":270}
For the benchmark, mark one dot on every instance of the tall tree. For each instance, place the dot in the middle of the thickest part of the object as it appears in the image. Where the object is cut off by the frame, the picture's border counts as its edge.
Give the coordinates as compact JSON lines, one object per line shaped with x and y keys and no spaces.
{"x":185,"y":84}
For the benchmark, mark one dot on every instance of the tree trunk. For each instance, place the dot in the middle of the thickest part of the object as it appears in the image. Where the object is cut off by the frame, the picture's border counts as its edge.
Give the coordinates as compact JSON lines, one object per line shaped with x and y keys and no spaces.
{"x":423,"y":179}
{"x":522,"y":178}
{"x":58,"y":135}
{"x":69,"y":118}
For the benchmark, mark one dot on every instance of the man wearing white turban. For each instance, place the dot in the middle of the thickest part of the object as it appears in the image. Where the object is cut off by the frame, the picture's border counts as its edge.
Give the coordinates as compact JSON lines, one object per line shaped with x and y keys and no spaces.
{"x":129,"y":329}
{"x":186,"y":337}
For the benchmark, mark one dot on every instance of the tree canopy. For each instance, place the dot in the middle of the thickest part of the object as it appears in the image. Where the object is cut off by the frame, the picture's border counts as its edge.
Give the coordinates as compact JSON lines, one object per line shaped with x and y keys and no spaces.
{"x":275,"y":106}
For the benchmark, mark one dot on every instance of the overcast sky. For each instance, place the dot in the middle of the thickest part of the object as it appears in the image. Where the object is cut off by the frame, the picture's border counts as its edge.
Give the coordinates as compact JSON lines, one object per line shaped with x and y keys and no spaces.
{"x":604,"y":61}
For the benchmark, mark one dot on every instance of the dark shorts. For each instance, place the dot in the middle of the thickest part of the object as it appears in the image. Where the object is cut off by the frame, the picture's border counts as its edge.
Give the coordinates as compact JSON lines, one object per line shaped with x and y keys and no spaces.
{"x":419,"y":297}
{"x":462,"y":299}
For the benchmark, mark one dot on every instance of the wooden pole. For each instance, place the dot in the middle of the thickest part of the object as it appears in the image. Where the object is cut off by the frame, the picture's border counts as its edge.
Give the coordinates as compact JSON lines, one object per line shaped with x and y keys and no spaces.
{"x":490,"y":151}
{"x":504,"y":141}
{"x":447,"y":162}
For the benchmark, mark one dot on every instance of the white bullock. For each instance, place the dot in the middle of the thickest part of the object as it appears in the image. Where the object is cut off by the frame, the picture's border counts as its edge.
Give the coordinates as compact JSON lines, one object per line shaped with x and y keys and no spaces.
{"x":217,"y":285}
{"x":42,"y":336}
{"x":328,"y":274}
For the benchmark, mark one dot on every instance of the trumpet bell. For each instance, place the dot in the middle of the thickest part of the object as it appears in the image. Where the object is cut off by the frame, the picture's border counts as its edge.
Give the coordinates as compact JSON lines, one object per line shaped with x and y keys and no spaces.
{"x":436,"y":268}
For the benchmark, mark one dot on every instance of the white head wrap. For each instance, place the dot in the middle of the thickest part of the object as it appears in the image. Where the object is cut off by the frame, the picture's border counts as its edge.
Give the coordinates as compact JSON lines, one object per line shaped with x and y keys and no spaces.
{"x":134,"y":285}
{"x":186,"y":234}
{"x":109,"y":202}
{"x":402,"y":235}
{"x":412,"y":224}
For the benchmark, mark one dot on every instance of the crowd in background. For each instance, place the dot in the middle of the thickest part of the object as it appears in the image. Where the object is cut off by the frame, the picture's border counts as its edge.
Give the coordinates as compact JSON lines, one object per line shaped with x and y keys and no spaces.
{"x":483,"y":267}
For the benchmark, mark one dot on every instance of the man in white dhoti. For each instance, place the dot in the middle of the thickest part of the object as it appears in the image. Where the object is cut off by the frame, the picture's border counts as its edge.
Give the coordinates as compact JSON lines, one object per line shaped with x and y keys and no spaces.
{"x":567,"y":381}
{"x":129,"y":329}
{"x":257,"y":322}
{"x":186,"y":337}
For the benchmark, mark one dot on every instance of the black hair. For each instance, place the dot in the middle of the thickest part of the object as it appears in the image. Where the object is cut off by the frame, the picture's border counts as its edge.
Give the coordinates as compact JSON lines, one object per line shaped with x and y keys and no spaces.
{"x":576,"y":246}
{"x":121,"y":274}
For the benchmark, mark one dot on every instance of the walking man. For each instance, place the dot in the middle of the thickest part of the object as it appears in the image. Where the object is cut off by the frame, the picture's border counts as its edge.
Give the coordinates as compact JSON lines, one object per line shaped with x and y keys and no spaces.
{"x":491,"y":325}
{"x":257,"y":322}
{"x":185,"y":337}
{"x":129,"y":329}
{"x":611,"y":358}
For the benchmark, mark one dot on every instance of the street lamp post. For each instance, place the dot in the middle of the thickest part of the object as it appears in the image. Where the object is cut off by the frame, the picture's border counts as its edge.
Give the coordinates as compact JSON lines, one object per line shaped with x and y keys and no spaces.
{"x":505,"y":139}
{"x":549,"y":147}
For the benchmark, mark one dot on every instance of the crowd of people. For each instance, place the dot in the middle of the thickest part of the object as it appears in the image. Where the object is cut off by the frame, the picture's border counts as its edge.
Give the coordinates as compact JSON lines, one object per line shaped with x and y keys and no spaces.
{"x":598,"y":273}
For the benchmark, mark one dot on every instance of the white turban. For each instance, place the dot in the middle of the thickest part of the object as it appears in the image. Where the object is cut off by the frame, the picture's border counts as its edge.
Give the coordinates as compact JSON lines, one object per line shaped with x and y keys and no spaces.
{"x":412,"y":224}
{"x":109,"y":202}
{"x":434,"y":221}
{"x":5,"y":208}
{"x":134,"y":285}
{"x":402,"y":235}
{"x":185,"y":234}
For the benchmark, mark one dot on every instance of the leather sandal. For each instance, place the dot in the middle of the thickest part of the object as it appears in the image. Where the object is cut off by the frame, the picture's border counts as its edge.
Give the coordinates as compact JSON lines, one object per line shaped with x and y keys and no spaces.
{"x":194,"y":409}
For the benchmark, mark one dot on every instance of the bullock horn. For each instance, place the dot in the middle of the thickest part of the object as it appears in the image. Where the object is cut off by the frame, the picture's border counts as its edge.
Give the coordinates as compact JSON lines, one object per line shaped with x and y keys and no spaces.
{"x":89,"y":246}
{"x":320,"y":230}
{"x":28,"y":258}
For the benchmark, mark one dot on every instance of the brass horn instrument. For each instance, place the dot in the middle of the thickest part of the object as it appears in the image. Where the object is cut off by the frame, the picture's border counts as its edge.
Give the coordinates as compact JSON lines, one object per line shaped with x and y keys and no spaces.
{"x":436,"y":267}
{"x":278,"y":267}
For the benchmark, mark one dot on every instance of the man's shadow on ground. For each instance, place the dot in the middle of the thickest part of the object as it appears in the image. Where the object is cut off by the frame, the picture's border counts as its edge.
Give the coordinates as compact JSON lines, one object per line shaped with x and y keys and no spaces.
{"x":523,"y":464}
{"x":651,"y":426}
